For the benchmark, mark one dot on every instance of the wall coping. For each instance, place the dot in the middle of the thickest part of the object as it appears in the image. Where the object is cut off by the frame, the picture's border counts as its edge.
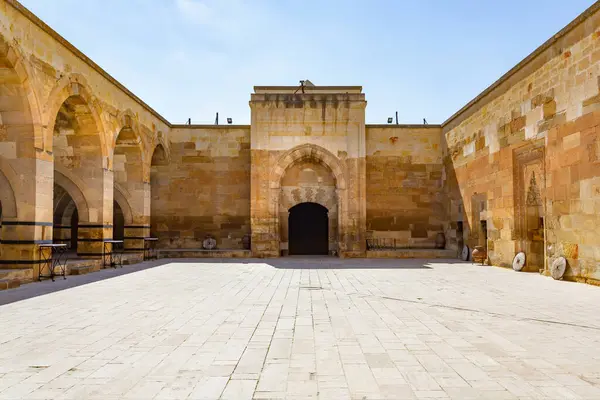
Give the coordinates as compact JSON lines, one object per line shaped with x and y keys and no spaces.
{"x":209,"y":126}
{"x":308,"y":89}
{"x":404,"y":126}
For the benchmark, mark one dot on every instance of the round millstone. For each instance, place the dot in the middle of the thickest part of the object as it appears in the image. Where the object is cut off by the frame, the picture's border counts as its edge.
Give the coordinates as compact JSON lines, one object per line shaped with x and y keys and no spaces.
{"x":519,"y":261}
{"x":559,"y":266}
{"x":465,"y":253}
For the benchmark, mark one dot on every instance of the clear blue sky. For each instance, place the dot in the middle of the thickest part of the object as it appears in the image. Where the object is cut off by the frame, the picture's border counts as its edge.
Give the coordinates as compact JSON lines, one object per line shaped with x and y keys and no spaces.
{"x":192,"y":58}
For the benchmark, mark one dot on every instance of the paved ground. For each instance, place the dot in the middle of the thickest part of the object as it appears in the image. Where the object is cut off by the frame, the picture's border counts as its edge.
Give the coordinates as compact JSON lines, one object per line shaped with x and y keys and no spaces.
{"x":300,"y":329}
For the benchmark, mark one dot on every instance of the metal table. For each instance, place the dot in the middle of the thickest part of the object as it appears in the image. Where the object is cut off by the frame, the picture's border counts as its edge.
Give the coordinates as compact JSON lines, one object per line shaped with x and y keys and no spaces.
{"x":53,"y":260}
{"x":149,"y":248}
{"x":109,"y":258}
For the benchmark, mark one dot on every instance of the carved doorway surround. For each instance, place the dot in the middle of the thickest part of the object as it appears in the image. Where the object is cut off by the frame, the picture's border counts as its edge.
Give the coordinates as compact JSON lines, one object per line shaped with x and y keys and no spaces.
{"x":529,"y":177}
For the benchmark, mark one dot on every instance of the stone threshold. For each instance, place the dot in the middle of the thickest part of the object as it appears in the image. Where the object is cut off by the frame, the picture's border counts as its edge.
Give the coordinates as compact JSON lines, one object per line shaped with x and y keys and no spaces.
{"x":203,"y":253}
{"x":412,"y":253}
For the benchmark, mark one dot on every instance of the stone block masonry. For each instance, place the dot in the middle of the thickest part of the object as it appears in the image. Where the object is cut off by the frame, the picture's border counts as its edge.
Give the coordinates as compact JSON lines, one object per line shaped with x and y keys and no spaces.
{"x":82,"y":160}
{"x":523,"y":158}
{"x":204,"y":190}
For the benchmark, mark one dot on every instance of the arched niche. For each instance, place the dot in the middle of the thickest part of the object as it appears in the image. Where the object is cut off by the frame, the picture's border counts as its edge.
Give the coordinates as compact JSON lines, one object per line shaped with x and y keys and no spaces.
{"x":158,"y":171}
{"x":308,"y":173}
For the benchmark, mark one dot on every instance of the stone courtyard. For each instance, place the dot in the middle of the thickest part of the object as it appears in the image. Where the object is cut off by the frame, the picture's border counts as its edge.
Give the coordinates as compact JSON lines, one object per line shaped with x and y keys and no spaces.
{"x":301,"y":328}
{"x":84,"y":162}
{"x":326,"y":247}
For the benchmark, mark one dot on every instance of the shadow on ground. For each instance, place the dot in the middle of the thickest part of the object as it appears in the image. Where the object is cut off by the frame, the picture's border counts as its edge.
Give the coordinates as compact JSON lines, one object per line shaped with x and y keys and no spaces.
{"x":293,"y":262}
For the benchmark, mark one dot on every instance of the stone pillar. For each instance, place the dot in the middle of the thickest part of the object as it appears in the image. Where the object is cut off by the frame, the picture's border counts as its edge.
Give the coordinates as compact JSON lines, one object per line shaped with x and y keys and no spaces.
{"x":97,"y":227}
{"x":136,"y":214}
{"x":25,"y":166}
{"x":27,"y":222}
{"x":263,"y":211}
{"x":132,"y":186}
{"x":353,"y":228}
{"x":134,"y":237}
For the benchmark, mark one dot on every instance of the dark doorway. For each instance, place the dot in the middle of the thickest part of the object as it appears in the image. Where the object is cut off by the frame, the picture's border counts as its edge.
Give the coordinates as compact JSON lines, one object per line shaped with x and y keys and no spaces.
{"x":0,"y":228}
{"x":484,"y":235}
{"x":74,"y":229}
{"x":308,"y":229}
{"x":460,"y":236}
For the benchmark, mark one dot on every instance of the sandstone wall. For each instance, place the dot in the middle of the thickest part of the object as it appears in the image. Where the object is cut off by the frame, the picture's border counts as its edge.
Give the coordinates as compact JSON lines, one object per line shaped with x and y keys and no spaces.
{"x":203,"y":189}
{"x":60,"y":116}
{"x":49,"y":61}
{"x":404,"y":185}
{"x":524,"y":157}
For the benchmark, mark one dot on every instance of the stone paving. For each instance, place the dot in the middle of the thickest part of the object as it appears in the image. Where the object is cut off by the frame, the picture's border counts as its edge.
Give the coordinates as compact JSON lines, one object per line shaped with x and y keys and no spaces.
{"x":305,"y":328}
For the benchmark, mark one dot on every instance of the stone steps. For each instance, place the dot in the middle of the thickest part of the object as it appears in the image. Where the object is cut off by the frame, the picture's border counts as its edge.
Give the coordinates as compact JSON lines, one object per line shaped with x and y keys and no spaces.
{"x":81,"y":270}
{"x":22,"y":274}
{"x":412,"y":253}
{"x":202,"y":253}
{"x":11,"y":278}
{"x":9,"y":284}
{"x":80,"y":266}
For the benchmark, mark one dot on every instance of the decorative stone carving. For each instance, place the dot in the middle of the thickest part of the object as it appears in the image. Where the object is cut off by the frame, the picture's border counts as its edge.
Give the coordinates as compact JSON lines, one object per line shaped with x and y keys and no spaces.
{"x":209,"y":243}
{"x":533,"y":193}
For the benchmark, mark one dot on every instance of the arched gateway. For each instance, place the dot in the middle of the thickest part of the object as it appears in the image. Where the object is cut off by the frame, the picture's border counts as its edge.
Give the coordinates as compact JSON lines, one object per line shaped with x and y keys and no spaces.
{"x":308,"y":205}
{"x":309,"y":186}
{"x":307,"y":146}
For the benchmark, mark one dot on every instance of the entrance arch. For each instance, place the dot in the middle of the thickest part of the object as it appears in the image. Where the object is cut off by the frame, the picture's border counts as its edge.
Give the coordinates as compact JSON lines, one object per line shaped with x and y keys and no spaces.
{"x":309,"y":174}
{"x":159,"y":170}
{"x":77,"y":134}
{"x":308,"y":229}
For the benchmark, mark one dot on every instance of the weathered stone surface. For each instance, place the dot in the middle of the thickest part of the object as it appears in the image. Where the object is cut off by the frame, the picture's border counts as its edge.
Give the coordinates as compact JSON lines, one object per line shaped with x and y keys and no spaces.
{"x":540,"y":121}
{"x":83,"y":160}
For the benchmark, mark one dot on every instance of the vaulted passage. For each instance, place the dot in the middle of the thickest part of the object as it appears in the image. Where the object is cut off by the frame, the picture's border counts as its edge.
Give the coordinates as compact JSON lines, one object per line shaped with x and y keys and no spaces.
{"x":118,"y":222}
{"x":66,"y":218}
{"x":308,"y":229}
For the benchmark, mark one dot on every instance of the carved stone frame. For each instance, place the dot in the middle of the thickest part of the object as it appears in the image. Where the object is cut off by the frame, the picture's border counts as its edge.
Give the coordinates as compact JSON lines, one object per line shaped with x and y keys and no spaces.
{"x":523,"y":157}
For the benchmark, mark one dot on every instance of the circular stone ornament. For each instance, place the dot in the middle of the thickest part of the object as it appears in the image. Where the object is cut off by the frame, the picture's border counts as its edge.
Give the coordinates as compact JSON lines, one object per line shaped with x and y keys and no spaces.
{"x":519,"y":261}
{"x":559,"y":266}
{"x":209,"y":243}
{"x":464,"y":255}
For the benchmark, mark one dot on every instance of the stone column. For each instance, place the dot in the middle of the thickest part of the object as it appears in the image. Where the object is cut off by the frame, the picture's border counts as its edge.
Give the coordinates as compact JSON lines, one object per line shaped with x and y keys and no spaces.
{"x":94,"y":230}
{"x":27,"y":222}
{"x":263,"y":216}
{"x":137,"y":225}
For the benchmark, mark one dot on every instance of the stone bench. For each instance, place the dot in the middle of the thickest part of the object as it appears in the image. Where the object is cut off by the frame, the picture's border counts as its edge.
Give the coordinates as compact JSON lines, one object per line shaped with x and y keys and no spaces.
{"x":203,"y":253}
{"x":9,"y":284}
{"x":412,"y":253}
{"x":81,"y":270}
